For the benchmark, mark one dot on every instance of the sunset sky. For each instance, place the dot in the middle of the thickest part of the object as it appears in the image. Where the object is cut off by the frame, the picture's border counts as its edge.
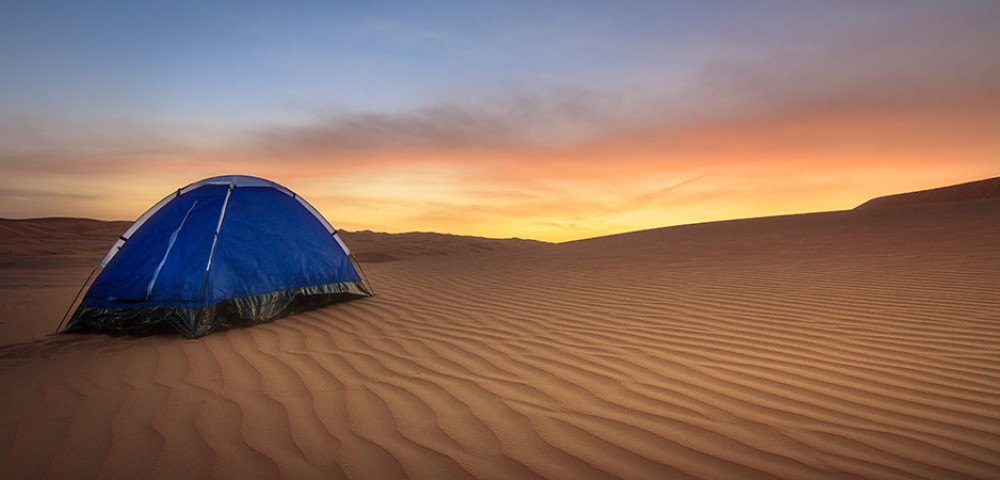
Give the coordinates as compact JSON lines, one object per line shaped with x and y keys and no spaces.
{"x":545,"y":120}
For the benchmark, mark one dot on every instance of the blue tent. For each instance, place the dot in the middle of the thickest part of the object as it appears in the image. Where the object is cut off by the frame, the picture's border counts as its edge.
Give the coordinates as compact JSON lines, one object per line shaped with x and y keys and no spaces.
{"x":221,"y":252}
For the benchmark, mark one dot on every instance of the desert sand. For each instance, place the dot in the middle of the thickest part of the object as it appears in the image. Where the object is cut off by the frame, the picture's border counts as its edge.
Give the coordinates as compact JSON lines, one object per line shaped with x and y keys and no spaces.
{"x":856,"y":344}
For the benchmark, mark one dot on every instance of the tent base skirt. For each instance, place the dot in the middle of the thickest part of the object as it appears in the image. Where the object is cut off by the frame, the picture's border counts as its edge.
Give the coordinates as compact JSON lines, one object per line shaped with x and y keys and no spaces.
{"x":194,"y":322}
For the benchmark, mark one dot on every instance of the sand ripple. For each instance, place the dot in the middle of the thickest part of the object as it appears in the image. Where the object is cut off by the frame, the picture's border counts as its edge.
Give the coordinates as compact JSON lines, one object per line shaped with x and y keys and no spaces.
{"x":825,"y":346}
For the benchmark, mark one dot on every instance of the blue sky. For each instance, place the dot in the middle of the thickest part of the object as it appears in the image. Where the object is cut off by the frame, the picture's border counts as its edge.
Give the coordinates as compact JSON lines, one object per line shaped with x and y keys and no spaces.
{"x":209,"y":57}
{"x":436,"y":105}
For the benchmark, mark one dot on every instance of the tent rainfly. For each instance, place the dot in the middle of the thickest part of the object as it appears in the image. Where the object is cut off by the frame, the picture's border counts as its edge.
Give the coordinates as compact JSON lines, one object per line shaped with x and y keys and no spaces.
{"x":225,"y":251}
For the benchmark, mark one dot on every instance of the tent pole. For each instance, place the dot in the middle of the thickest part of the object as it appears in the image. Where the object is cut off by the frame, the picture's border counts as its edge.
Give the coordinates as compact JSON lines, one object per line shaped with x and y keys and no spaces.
{"x":211,"y":255}
{"x":77,"y":297}
{"x":363,"y":276}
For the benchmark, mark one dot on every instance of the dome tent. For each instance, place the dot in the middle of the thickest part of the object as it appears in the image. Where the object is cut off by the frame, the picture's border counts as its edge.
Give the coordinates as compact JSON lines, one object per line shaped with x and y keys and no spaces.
{"x":224,"y":251}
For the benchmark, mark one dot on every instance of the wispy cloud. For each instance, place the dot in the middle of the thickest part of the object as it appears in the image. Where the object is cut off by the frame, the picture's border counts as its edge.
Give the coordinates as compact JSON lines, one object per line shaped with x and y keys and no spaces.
{"x":816,"y":117}
{"x":513,"y":120}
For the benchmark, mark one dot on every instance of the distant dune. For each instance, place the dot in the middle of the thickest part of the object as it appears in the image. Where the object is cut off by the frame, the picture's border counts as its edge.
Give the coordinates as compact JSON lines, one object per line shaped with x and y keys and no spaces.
{"x":374,"y":247}
{"x":73,"y":228}
{"x":965,"y":192}
{"x":65,"y":236}
{"x":57,"y":236}
{"x":837,"y":345}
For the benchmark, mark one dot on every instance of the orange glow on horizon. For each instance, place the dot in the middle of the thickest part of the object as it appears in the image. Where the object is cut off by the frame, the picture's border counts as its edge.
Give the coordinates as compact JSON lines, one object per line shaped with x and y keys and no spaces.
{"x":401,"y":118}
{"x":611,"y":184}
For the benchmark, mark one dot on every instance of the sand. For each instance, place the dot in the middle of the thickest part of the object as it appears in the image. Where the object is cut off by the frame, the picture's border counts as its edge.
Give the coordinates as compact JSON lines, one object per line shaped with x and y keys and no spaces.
{"x":860,"y":344}
{"x":970,"y":191}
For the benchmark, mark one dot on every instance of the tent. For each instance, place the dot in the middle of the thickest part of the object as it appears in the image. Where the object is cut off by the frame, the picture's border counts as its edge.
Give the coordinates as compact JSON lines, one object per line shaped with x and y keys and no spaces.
{"x":221,"y":252}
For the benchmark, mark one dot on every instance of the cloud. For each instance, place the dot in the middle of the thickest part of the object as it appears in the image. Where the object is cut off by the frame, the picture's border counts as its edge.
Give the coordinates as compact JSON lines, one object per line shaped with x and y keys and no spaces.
{"x":908,"y":61}
{"x":818,"y":117}
{"x":33,"y":194}
{"x":802,"y":86}
{"x":894,"y":75}
{"x":510,"y":119}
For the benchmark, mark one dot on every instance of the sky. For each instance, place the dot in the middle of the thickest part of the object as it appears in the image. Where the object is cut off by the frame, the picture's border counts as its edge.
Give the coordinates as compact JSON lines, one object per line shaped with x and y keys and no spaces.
{"x":551,"y":120}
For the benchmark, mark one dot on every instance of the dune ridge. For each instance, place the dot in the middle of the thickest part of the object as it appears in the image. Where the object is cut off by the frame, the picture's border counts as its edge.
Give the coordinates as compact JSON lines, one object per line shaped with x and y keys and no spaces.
{"x":836,"y":345}
{"x":376,"y":247}
{"x":963,"y":192}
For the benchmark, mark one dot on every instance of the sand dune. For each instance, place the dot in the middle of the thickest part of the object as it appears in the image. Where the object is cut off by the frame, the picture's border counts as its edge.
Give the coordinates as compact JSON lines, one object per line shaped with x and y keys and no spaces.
{"x":43,"y":262}
{"x":965,"y":192}
{"x":58,"y":236}
{"x":858,"y":344}
{"x":375,"y":247}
